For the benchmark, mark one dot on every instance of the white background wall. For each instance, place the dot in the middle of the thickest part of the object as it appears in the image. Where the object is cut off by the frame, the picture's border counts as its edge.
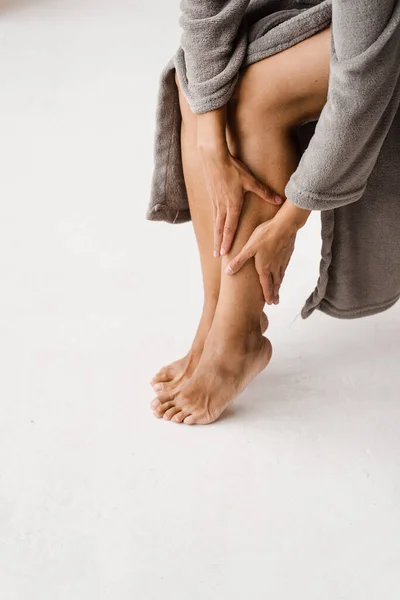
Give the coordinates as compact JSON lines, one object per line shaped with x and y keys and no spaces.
{"x":294,"y":494}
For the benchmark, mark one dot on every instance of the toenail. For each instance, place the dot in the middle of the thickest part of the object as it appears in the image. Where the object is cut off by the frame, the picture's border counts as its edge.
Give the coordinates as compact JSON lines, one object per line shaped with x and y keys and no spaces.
{"x":158,"y":387}
{"x":156,"y":403}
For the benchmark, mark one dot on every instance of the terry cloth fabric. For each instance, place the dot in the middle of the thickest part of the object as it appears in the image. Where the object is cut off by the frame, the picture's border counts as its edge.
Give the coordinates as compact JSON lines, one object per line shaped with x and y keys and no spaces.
{"x":350,"y":164}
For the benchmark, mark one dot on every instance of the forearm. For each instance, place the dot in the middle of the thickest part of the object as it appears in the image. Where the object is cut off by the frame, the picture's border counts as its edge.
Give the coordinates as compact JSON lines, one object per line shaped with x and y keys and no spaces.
{"x":362,"y":102}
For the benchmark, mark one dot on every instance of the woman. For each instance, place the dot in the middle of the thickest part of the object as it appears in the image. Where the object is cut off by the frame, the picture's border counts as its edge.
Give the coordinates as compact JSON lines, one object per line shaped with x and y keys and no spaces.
{"x":247,"y":81}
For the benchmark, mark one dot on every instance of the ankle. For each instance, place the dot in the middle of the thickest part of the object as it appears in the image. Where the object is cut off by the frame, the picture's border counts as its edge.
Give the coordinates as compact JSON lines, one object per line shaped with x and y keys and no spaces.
{"x":203,"y":329}
{"x":236,"y":324}
{"x":236,"y":340}
{"x":209,"y":308}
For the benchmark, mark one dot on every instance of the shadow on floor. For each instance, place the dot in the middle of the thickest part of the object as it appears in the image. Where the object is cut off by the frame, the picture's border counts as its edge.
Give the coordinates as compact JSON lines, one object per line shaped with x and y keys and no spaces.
{"x":283,"y":387}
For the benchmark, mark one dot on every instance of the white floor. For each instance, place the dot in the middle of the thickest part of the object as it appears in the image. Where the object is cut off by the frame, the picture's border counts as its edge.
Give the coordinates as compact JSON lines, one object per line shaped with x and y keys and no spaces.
{"x":293,"y":495}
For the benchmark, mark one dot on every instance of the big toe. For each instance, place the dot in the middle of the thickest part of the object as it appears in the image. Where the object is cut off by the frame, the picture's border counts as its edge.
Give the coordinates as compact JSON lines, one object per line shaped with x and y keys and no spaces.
{"x":162,"y":376}
{"x":169,"y":386}
{"x":160,"y":400}
{"x":190,"y":420}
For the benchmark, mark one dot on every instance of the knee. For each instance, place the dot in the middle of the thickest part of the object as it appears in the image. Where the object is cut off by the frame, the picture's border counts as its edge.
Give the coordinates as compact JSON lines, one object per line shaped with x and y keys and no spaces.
{"x":259,"y":98}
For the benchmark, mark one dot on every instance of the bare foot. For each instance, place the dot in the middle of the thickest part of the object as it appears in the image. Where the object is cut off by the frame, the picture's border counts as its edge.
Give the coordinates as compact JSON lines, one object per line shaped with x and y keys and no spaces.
{"x":174,"y":375}
{"x":226,"y":367}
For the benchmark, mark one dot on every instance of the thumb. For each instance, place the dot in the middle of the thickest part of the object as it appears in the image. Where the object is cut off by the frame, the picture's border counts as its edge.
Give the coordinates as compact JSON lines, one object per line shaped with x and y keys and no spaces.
{"x":240,"y":259}
{"x":264,"y":192}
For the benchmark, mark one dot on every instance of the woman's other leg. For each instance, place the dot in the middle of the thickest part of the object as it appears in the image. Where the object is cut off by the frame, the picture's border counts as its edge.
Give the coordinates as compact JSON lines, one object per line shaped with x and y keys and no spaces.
{"x":202,"y":219}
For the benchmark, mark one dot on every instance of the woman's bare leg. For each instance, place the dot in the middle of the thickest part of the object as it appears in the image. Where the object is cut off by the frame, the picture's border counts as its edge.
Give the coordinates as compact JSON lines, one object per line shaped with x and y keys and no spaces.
{"x":272,"y":97}
{"x":174,"y":374}
{"x":201,"y":214}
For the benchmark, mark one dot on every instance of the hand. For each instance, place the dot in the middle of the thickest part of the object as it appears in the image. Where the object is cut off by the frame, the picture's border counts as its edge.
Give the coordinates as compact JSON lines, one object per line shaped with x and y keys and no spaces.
{"x":227,"y":180}
{"x":272,"y":244}
{"x":272,"y":250}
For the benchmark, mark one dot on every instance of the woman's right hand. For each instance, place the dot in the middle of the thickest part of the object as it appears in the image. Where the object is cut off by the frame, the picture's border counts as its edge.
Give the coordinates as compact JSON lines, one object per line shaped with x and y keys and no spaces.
{"x":227,"y":180}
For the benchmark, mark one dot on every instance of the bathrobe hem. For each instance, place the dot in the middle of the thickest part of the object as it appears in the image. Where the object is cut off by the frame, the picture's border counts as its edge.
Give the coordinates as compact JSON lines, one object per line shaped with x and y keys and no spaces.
{"x":356,"y":313}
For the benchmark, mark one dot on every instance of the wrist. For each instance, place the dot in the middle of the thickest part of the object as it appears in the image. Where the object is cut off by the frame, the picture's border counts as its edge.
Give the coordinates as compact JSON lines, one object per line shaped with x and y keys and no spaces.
{"x":293,"y":216}
{"x":212,"y":147}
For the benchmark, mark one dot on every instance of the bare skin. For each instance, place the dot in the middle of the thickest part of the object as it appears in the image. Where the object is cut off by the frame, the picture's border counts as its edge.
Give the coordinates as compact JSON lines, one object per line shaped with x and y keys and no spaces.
{"x":271,"y":98}
{"x":175,"y":374}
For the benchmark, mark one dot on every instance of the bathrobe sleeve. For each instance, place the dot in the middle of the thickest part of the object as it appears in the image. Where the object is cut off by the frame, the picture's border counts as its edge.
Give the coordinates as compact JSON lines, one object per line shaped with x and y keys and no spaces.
{"x":213,"y":47}
{"x":363,"y":98}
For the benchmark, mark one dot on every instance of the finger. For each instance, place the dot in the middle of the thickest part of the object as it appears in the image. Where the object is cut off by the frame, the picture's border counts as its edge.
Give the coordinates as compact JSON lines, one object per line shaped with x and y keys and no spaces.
{"x":219,"y":221}
{"x":267,"y":285}
{"x":231,"y":223}
{"x":264,"y":192}
{"x":240,"y":259}
{"x":277,"y":280}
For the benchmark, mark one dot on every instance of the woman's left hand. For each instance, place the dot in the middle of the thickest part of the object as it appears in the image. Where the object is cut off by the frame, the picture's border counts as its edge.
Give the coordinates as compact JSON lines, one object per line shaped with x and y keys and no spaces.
{"x":271,"y":244}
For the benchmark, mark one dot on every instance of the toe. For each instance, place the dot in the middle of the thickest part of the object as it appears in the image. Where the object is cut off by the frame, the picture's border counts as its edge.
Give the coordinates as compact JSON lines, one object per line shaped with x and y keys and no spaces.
{"x":179,"y":416}
{"x":163,"y":375}
{"x":160,"y":410}
{"x":164,"y":388}
{"x":170,"y":413}
{"x":158,"y":387}
{"x":161,"y":399}
{"x":190,"y":420}
{"x":155,"y":403}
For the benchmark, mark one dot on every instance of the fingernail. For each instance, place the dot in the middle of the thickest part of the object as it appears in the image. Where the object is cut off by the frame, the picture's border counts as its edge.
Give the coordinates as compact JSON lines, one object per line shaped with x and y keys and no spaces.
{"x":216,"y":254}
{"x":228,"y":270}
{"x":223,"y":251}
{"x":278,"y":199}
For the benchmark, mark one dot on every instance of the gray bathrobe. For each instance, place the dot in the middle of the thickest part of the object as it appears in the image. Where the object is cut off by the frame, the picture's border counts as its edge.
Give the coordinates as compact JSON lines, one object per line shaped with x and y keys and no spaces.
{"x":350,"y":165}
